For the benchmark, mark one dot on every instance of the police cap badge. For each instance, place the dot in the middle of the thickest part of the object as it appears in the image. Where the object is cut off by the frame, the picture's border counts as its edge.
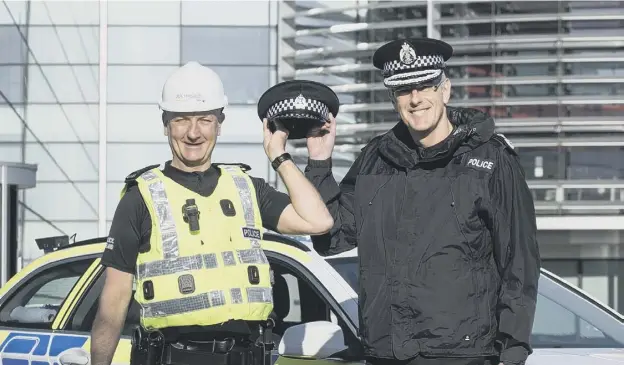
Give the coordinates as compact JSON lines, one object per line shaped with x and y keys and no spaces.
{"x":299,"y":105}
{"x":413,"y":61}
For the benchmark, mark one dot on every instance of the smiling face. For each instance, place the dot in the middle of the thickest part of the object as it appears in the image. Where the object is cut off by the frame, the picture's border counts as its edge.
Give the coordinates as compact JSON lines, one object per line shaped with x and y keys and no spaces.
{"x":422,"y":108}
{"x":192,"y":139}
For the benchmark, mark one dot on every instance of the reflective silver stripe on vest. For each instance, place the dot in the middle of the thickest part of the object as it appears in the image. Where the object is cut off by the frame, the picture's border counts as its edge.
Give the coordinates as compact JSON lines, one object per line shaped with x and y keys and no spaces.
{"x":210,"y":261}
{"x":189,"y":304}
{"x":228,"y":258}
{"x":246,"y":198}
{"x":237,"y":295}
{"x":259,"y":295}
{"x":165,"y":267}
{"x":164,"y":219}
{"x":197,"y":262}
{"x":186,"y":263}
{"x":214,"y":298}
{"x":252,"y":256}
{"x":149,"y":175}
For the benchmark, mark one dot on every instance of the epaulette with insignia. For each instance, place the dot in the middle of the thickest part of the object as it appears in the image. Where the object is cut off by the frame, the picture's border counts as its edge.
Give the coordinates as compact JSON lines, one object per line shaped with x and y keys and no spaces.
{"x":503,"y":141}
{"x":243,"y":166}
{"x":133,"y":176}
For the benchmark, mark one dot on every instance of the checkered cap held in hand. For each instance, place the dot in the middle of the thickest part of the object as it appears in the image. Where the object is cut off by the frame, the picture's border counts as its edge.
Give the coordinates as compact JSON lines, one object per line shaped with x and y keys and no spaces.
{"x":299,"y":105}
{"x":412,"y":62}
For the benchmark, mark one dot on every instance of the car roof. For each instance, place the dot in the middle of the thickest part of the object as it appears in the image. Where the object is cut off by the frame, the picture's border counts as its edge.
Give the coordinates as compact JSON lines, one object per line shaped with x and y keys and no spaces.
{"x":96,"y":245}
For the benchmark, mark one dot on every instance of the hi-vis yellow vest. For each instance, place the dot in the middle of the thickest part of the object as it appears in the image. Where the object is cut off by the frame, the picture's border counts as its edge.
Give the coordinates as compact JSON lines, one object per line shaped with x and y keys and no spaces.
{"x":210,"y":276}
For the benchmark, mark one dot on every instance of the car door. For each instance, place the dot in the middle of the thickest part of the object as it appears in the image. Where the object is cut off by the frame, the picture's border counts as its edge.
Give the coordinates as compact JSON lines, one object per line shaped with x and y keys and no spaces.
{"x":300,"y":297}
{"x":33,"y":308}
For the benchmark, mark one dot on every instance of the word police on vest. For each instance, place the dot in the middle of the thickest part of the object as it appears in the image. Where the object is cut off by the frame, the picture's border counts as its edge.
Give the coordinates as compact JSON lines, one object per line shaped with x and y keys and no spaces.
{"x":480,"y":164}
{"x":251,"y":233}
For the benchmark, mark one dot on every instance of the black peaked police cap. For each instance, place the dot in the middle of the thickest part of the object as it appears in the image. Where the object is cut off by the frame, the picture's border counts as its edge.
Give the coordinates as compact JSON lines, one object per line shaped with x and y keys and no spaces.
{"x":299,"y":105}
{"x":412,"y":61}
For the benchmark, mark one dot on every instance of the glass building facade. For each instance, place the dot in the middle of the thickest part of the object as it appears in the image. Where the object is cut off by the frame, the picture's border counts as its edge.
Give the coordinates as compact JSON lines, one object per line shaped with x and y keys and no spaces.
{"x":551,"y":73}
{"x":49,"y":57}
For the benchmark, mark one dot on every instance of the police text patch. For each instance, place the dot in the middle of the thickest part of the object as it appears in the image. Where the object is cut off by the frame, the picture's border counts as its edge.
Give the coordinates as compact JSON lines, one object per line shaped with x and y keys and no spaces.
{"x":480,"y":164}
{"x":251,"y":233}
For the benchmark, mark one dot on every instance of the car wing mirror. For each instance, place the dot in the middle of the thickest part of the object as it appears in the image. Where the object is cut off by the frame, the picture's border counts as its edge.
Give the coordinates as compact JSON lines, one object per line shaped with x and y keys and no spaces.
{"x":312,"y":340}
{"x":74,"y":356}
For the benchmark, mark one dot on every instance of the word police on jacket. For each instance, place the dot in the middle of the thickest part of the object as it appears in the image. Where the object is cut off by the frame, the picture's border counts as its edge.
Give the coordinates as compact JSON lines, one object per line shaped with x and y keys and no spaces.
{"x":481,"y":164}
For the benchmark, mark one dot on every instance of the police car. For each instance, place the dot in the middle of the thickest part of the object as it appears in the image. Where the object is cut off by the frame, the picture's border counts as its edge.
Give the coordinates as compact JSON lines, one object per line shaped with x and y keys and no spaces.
{"x":47,"y":309}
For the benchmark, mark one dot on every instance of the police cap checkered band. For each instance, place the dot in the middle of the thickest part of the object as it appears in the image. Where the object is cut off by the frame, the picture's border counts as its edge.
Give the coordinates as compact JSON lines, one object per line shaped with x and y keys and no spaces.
{"x":299,"y":107}
{"x":420,"y":62}
{"x":298,"y":99}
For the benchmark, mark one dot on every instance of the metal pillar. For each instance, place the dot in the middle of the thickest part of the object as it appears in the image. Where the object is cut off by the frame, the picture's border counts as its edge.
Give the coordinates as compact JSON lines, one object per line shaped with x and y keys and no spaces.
{"x":102,"y":137}
{"x":433,"y":14}
{"x":13,"y":176}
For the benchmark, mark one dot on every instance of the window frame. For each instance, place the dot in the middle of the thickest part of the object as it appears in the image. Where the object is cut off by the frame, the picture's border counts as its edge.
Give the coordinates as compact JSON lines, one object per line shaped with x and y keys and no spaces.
{"x":14,"y":290}
{"x":91,"y":293}
{"x":309,"y":278}
{"x":303,"y":286}
{"x":582,"y":306}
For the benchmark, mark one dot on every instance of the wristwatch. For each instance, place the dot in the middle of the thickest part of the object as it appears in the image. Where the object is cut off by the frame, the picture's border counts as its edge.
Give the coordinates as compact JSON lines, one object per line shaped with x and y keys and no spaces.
{"x":279,"y":159}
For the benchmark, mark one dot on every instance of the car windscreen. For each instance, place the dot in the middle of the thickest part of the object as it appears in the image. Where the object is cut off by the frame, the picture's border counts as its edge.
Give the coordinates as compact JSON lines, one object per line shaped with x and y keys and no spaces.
{"x":555,"y":326}
{"x":347,"y":267}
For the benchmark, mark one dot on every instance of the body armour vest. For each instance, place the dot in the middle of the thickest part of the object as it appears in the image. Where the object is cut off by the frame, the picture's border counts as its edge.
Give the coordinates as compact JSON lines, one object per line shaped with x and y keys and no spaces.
{"x":205,"y":264}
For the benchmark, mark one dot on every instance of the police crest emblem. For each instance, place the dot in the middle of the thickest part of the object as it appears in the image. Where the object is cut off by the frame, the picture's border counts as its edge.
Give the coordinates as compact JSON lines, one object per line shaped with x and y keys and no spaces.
{"x":300,"y":102}
{"x":407,"y":55}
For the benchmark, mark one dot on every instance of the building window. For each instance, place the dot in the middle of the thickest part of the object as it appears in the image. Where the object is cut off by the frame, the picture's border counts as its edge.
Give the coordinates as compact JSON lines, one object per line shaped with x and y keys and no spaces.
{"x":144,"y":45}
{"x":11,"y":83}
{"x":13,"y":49}
{"x":230,"y":13}
{"x":540,"y":163}
{"x":245,"y":45}
{"x":63,"y":84}
{"x":590,"y":163}
{"x":244,"y":84}
{"x":136,"y":84}
{"x":63,"y":45}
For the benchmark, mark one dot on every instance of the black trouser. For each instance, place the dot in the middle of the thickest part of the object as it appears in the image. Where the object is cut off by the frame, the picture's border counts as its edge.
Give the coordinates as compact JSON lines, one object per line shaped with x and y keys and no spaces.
{"x":421,"y":360}
{"x":193,"y":354}
{"x":174,"y":348}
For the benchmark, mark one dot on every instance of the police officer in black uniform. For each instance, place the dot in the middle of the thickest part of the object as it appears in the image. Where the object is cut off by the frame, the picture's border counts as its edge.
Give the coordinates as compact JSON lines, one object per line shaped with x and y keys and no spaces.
{"x":443,"y":220}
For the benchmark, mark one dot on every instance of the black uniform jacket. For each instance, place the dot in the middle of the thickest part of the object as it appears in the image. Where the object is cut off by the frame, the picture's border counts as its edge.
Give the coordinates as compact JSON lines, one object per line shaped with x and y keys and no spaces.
{"x":449,"y":262}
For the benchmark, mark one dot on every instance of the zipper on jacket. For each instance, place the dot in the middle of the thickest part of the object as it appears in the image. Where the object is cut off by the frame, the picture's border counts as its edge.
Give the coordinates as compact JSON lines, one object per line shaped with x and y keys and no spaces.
{"x":455,"y":213}
{"x":377,"y":191}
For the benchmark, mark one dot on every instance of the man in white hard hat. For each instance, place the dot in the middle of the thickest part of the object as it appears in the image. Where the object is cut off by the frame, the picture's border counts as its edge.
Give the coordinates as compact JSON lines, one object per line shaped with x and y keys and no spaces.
{"x":190,"y":237}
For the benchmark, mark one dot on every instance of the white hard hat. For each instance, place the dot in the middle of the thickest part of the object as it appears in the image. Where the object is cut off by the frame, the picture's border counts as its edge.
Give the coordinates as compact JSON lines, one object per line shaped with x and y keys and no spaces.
{"x":193,"y":88}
